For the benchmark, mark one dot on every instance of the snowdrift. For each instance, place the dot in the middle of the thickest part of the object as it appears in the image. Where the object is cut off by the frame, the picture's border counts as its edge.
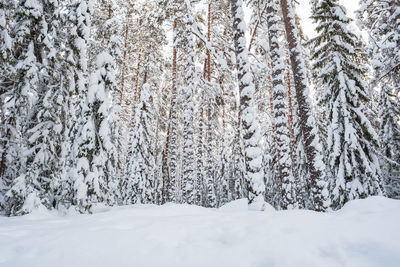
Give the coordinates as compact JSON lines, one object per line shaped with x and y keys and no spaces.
{"x":364,"y":233}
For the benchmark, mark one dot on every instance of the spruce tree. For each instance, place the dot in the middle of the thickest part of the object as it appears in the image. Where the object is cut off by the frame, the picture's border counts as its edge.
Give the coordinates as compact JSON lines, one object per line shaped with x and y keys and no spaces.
{"x":352,"y":142}
{"x":100,"y":102}
{"x":138,"y":183}
{"x":46,"y":133}
{"x":210,"y":170}
{"x":381,"y":20}
{"x":312,"y":146}
{"x":170,"y":179}
{"x":23,"y":191}
{"x":6,"y":90}
{"x":189,"y":173}
{"x":85,"y":187}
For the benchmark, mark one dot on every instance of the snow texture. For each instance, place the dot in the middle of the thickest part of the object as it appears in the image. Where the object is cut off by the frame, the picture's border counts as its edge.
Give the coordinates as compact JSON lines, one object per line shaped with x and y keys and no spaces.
{"x":363,"y":233}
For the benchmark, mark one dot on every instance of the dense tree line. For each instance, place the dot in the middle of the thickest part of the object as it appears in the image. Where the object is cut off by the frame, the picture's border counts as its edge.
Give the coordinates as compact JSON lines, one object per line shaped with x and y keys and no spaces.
{"x":123,"y":102}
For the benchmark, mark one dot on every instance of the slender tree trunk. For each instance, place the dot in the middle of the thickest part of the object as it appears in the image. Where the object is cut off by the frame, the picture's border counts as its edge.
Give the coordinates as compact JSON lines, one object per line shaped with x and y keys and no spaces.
{"x":271,"y":107}
{"x":290,"y":117}
{"x":189,"y":172}
{"x":211,"y":200}
{"x":209,"y":41}
{"x":200,"y":154}
{"x":285,"y":176}
{"x":137,"y":90}
{"x":165,"y":171}
{"x":248,"y":115}
{"x":128,"y":20}
{"x":253,"y":34}
{"x":172,"y":155}
{"x":315,"y":165}
{"x":205,"y":69}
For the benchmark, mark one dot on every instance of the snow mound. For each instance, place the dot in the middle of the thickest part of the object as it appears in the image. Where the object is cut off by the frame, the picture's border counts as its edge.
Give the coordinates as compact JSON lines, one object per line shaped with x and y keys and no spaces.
{"x":369,"y":205}
{"x":363,"y":234}
{"x":260,"y":205}
{"x":242,"y":205}
{"x":236,"y":205}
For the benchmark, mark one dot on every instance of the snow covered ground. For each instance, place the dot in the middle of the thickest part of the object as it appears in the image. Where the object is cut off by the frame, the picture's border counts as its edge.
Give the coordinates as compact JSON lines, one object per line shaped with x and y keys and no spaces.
{"x":364,"y":233}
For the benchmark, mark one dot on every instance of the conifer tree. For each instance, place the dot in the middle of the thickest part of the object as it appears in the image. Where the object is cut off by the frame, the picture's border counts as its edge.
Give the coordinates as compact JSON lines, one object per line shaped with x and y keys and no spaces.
{"x":382,"y":21}
{"x":352,"y":142}
{"x":85,"y":187}
{"x":6,"y":90}
{"x":189,"y":173}
{"x":285,"y":178}
{"x":313,"y":149}
{"x":45,"y":135}
{"x":74,"y":80}
{"x":200,"y":150}
{"x":170,"y":174}
{"x":237,"y":167}
{"x":142,"y":182}
{"x":138,"y":184}
{"x":389,"y":114}
{"x":22,"y":190}
{"x":210,"y":170}
{"x":248,"y":117}
{"x":100,"y":104}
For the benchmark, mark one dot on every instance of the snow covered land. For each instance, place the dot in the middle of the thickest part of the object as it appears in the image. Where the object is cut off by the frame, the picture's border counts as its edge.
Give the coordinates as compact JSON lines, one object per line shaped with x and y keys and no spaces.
{"x":363,"y":233}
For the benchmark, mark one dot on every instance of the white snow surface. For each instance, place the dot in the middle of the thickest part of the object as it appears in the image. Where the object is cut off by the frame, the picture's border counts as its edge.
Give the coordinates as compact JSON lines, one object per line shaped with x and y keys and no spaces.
{"x":364,"y":233}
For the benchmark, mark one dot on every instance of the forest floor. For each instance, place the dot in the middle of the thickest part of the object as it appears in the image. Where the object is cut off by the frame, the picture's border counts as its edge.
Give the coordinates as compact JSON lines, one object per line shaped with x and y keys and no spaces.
{"x":364,"y":233}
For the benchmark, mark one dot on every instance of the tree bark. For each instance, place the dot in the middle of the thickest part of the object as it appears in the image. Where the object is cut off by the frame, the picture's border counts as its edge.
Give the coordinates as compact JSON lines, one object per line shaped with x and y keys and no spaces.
{"x":248,"y":116}
{"x":315,"y":165}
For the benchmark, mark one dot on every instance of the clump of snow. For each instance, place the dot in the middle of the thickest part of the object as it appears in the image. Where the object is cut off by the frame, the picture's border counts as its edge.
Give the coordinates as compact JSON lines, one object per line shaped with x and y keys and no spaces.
{"x":363,"y":234}
{"x":236,"y":205}
{"x":375,"y":204}
{"x":260,"y":205}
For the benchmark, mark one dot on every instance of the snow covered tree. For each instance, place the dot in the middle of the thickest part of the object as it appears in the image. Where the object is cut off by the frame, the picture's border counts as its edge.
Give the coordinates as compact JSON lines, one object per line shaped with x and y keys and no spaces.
{"x":389,"y":114}
{"x":248,"y":116}
{"x":170,"y":163}
{"x":381,"y":20}
{"x":222,"y":178}
{"x":142,"y":182}
{"x":225,"y":82}
{"x":313,"y":150}
{"x":210,"y":170}
{"x":237,"y":166}
{"x":138,"y":183}
{"x":85,"y":186}
{"x":23,"y":191}
{"x":44,"y":163}
{"x":6,"y":93}
{"x":200,"y":151}
{"x":352,"y":142}
{"x":73,"y":66}
{"x":189,"y":173}
{"x":100,"y":105}
{"x":285,"y":178}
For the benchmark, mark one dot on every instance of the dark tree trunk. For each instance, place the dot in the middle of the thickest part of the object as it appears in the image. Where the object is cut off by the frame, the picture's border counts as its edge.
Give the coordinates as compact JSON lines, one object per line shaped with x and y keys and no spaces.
{"x":312,"y":146}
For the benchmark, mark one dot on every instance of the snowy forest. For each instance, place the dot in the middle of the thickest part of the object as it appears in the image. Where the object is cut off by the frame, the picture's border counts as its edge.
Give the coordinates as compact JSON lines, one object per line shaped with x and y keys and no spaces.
{"x":119,"y":102}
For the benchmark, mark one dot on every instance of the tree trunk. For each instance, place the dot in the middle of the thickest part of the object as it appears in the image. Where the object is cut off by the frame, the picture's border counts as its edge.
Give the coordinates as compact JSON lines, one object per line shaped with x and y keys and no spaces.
{"x":248,"y":115}
{"x":315,"y":165}
{"x":209,"y":41}
{"x":285,"y":178}
{"x":173,"y":120}
{"x":124,"y":57}
{"x":290,"y":117}
{"x":137,"y":90}
{"x":189,"y":173}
